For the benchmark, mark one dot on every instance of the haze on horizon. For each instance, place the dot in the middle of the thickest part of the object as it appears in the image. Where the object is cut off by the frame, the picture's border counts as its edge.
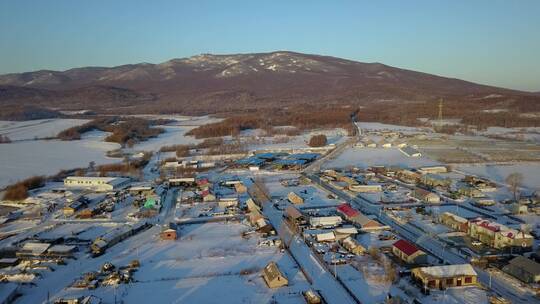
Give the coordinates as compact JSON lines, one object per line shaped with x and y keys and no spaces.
{"x":489,"y":42}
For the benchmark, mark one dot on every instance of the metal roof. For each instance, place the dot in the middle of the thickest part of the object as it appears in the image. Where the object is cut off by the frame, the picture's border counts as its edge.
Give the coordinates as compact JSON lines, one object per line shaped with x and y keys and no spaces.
{"x":529,"y":265}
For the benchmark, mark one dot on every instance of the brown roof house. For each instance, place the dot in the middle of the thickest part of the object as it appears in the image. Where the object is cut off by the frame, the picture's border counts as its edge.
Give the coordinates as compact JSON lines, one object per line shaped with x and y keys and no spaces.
{"x":426,"y":196}
{"x":273,"y":276}
{"x":455,"y":222}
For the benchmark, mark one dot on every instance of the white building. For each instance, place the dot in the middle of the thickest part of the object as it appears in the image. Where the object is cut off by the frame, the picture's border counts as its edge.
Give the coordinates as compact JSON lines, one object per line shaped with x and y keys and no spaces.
{"x":101,"y":184}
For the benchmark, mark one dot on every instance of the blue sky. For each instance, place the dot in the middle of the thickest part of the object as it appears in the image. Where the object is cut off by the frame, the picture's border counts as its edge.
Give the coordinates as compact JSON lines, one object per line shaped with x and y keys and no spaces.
{"x":491,"y":42}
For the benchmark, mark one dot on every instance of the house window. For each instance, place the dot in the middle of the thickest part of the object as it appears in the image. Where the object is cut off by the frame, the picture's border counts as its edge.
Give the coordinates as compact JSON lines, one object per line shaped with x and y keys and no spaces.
{"x":431,"y":283}
{"x":449,"y":281}
{"x":468,"y":280}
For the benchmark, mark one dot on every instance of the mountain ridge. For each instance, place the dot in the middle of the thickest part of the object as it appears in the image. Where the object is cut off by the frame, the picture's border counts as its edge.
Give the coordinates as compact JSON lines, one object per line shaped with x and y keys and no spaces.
{"x":209,"y":83}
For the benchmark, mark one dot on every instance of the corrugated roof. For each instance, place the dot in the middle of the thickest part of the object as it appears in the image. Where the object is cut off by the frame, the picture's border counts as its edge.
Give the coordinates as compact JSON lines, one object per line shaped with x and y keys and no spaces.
{"x":529,"y":265}
{"x":347,"y":210}
{"x":406,"y":247}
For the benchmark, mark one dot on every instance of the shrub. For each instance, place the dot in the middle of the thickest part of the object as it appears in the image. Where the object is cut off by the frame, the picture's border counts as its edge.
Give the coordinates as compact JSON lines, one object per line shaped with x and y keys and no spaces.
{"x":318,"y":140}
{"x":19,"y":190}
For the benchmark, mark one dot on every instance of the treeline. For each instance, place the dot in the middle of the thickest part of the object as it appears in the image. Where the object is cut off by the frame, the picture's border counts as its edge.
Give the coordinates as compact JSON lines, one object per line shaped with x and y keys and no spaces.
{"x":213,"y":146}
{"x":19,"y":190}
{"x":319,"y":140}
{"x":127,"y":166}
{"x":470,"y":113}
{"x":75,"y":133}
{"x":125,"y":131}
{"x":484,"y":120}
{"x":302,"y":118}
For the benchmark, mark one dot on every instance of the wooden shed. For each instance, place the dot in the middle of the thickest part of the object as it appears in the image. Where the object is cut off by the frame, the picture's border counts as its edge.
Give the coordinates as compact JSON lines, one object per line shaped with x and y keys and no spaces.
{"x":273,"y":276}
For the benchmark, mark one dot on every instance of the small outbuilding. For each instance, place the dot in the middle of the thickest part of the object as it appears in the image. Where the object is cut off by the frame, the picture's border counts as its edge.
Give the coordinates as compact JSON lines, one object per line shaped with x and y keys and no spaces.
{"x":273,"y":276}
{"x":426,"y":196}
{"x":169,"y":233}
{"x":295,"y":198}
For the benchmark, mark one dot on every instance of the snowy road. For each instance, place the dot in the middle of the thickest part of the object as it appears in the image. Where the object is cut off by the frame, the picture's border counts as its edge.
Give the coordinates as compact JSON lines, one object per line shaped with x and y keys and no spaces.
{"x":322,"y":280}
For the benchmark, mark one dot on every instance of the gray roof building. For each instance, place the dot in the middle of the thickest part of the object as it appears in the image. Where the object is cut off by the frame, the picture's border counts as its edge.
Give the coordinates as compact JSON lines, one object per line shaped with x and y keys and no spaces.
{"x":524,"y":269}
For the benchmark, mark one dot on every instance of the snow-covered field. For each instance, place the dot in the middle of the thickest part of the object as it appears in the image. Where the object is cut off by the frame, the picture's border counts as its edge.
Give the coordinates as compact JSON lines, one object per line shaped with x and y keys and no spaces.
{"x":499,"y":172}
{"x":20,"y":160}
{"x":377,"y":126}
{"x":334,"y":136}
{"x":365,"y":157}
{"x":208,"y":262}
{"x":174,"y":135}
{"x":42,"y":128}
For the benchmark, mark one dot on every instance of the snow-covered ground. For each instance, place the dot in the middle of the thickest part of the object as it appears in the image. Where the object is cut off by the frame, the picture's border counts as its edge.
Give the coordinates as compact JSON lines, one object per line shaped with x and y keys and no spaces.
{"x":20,"y":160}
{"x":377,"y":126}
{"x":334,"y":136}
{"x":42,"y":128}
{"x":365,"y":157}
{"x":208,"y":262}
{"x":174,"y":135}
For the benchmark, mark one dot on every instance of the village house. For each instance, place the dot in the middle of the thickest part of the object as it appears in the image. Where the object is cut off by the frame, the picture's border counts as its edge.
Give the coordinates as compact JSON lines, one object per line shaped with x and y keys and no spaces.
{"x":410,"y":151}
{"x":62,"y":250}
{"x":325,"y":221}
{"x":408,"y":176}
{"x":409,"y":253}
{"x":433,"y":180}
{"x":325,"y":237}
{"x":499,"y":236}
{"x":426,"y":196}
{"x":273,"y":276}
{"x":469,"y":191}
{"x":356,"y":217}
{"x":445,"y":276}
{"x":353,"y":246}
{"x":294,"y":215}
{"x":524,"y":269}
{"x":365,"y":188}
{"x":33,"y":249}
{"x":344,"y":232}
{"x":455,"y":222}
{"x":433,"y":170}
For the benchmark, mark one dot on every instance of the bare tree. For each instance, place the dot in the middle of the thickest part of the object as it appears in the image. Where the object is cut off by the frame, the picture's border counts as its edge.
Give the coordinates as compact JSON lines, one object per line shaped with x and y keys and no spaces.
{"x":514,"y":181}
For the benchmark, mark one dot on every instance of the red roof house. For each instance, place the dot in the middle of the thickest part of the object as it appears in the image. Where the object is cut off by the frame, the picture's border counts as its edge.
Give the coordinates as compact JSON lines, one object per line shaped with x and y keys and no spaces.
{"x":408,"y":252}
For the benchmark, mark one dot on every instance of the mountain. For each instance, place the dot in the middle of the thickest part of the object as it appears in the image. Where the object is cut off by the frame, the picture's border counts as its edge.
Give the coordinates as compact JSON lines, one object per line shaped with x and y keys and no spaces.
{"x":218,"y":83}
